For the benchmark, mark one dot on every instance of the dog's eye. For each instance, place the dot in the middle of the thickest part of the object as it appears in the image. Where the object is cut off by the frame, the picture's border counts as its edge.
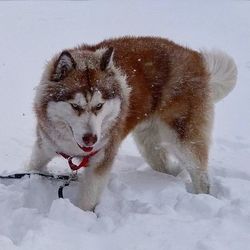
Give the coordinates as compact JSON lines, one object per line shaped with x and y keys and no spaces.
{"x":75,"y":106}
{"x":98,"y":106}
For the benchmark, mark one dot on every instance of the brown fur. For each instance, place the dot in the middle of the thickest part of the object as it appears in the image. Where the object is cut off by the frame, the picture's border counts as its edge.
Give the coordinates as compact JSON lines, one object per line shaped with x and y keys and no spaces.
{"x":168,"y":82}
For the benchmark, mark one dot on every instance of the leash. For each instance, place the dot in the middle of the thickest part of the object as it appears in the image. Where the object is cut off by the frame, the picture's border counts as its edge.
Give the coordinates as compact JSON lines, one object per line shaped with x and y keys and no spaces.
{"x":66,"y":178}
{"x":21,"y":175}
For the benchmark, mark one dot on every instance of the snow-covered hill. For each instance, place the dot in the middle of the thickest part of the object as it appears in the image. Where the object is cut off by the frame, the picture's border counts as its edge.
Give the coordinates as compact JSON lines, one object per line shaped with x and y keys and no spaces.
{"x":141,"y":209}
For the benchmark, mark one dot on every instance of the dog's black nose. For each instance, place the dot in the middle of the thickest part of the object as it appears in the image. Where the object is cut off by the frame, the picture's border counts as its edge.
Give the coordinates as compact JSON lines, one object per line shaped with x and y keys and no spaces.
{"x":89,"y":139}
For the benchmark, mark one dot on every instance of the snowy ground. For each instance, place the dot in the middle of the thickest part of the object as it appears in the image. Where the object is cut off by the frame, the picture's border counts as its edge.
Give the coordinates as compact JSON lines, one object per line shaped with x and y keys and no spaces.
{"x":141,"y":209}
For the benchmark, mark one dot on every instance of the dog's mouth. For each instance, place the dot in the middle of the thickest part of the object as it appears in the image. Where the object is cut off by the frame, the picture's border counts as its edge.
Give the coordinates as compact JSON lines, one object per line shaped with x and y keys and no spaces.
{"x":85,"y":149}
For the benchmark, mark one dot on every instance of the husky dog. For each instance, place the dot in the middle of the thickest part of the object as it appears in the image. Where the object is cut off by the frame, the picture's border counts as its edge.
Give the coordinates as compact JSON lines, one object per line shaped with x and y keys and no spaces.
{"x":91,"y":97}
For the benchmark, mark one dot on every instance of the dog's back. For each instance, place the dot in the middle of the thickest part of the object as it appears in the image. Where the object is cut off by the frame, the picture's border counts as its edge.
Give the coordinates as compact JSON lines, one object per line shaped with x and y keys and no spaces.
{"x":161,"y":73}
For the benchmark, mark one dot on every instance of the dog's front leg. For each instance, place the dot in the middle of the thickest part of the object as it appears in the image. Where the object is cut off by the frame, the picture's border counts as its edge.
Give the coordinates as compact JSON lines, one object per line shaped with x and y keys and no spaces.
{"x":93,"y":183}
{"x":42,"y":153}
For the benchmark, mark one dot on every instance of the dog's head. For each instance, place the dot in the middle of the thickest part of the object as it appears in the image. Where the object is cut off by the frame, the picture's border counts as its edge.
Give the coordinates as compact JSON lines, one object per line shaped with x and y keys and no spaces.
{"x":83,"y":91}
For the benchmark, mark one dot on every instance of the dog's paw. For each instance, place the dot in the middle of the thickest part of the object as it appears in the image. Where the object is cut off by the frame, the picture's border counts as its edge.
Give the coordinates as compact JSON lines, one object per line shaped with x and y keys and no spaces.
{"x":86,"y":205}
{"x":200,"y":182}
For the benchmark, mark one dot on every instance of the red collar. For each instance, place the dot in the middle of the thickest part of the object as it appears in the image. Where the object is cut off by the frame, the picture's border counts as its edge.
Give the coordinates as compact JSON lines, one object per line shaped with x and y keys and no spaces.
{"x":83,"y":164}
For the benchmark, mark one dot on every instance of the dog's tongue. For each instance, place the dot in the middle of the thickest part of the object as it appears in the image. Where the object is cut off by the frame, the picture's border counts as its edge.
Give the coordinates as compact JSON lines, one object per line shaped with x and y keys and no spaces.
{"x":87,"y":149}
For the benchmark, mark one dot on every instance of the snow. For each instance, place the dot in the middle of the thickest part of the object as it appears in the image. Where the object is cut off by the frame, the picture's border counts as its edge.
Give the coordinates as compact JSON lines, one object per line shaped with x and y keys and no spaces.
{"x":141,"y":209}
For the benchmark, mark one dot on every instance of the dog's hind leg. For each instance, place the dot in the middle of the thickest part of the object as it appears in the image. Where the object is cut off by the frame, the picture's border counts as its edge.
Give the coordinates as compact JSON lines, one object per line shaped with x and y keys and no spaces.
{"x":192,"y":144}
{"x":153,"y":145}
{"x":164,"y":150}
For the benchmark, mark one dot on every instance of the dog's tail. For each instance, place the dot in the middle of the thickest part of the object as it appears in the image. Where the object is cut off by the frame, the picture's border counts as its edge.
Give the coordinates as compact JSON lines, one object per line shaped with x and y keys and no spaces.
{"x":223,"y":73}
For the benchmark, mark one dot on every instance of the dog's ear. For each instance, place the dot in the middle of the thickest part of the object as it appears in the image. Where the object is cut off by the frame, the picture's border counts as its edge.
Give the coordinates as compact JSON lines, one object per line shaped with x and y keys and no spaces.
{"x":106,"y":58}
{"x":63,"y":65}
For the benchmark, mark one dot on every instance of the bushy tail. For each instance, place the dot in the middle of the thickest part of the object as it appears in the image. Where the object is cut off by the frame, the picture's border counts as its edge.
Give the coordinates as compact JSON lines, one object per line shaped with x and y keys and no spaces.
{"x":223,"y":73}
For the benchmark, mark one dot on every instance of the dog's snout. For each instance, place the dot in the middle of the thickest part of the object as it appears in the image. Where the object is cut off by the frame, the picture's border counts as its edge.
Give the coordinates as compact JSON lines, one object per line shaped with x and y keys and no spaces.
{"x":89,"y":139}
